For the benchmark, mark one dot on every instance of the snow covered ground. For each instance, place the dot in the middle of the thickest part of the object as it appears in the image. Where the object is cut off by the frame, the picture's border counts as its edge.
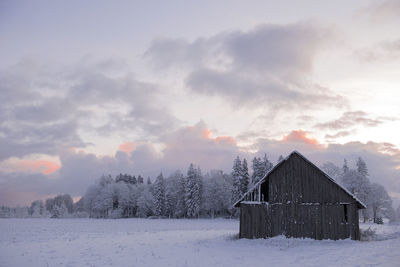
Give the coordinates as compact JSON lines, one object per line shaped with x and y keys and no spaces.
{"x":146,"y":242}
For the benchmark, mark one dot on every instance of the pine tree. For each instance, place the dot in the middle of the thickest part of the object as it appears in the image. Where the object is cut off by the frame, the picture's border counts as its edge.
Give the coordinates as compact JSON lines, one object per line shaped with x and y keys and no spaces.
{"x":181,"y":196}
{"x":345,"y":167}
{"x":159,"y":195}
{"x":244,"y":178}
{"x":280,"y":158}
{"x":148,"y":181}
{"x":362,"y":167}
{"x":236,"y":177}
{"x":266,"y":165}
{"x":260,"y":168}
{"x":132,"y":179}
{"x":199,"y":187}
{"x":193,"y":191}
{"x":256,"y":176}
{"x":140,"y":179}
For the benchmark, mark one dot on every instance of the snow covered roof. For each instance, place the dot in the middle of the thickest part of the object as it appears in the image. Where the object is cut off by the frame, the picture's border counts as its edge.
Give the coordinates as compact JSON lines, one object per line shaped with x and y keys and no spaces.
{"x":359,"y":202}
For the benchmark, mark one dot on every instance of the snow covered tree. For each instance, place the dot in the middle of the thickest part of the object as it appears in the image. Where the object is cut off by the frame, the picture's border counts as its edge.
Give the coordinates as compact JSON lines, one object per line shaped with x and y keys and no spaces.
{"x":181,"y":210}
{"x":332,"y":170}
{"x":159,"y":196}
{"x":145,"y":202}
{"x":266,"y":165}
{"x":55,"y":205}
{"x":397,"y":214}
{"x":148,"y":181}
{"x":256,"y":176}
{"x":193,"y":191}
{"x":37,"y":209}
{"x":260,"y":168}
{"x":132,"y":179}
{"x":140,"y":179}
{"x":90,"y":199}
{"x":236,"y":177}
{"x":345,"y":167}
{"x":172,"y":191}
{"x":379,"y":201}
{"x":59,"y":211}
{"x":362,"y":167}
{"x":358,"y":185}
{"x":217,"y":196}
{"x":244,"y":178}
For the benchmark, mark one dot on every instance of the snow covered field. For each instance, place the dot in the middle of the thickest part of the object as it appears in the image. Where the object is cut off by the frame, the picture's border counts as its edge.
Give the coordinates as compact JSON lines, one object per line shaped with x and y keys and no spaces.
{"x":146,"y":242}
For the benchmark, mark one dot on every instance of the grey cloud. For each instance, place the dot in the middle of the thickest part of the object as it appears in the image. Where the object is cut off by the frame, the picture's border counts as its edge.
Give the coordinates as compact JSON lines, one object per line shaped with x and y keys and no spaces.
{"x":392,"y":46}
{"x":269,"y":65}
{"x":385,"y":51}
{"x":243,"y":90}
{"x":350,"y":119}
{"x":383,"y":11}
{"x":276,"y":48}
{"x":20,"y":139}
{"x":338,"y":134}
{"x":44,"y":109}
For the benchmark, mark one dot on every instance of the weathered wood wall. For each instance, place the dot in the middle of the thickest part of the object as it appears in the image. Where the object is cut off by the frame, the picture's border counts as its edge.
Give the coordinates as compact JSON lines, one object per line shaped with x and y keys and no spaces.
{"x":302,"y":202}
{"x":298,"y":181}
{"x":312,"y":221}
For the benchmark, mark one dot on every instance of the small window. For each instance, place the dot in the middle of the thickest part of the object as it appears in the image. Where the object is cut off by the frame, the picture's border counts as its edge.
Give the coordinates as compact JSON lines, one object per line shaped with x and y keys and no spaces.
{"x":346,"y":216}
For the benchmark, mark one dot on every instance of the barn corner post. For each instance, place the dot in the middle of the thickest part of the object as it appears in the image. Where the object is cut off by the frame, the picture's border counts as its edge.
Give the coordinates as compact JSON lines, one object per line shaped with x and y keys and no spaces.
{"x":297,"y":199}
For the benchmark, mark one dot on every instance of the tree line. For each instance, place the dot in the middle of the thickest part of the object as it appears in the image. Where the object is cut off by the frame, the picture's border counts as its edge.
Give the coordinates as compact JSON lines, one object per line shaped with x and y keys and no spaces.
{"x":194,"y":194}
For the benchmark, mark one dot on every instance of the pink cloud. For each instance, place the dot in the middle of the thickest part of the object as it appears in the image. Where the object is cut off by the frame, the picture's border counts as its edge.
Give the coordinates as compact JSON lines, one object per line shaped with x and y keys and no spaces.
{"x":225,"y":140}
{"x":43,"y":166}
{"x":127,"y":147}
{"x":300,"y":136}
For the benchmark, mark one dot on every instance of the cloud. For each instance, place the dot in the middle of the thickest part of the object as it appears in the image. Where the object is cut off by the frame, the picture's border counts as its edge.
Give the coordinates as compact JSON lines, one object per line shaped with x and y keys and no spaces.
{"x":127,"y":147}
{"x":300,"y":136}
{"x":196,"y":144}
{"x":269,"y":65}
{"x":30,"y":166}
{"x":339,"y":134}
{"x":383,"y":11}
{"x":44,"y":110}
{"x":384,"y":51}
{"x":174,"y":150}
{"x":351,"y":119}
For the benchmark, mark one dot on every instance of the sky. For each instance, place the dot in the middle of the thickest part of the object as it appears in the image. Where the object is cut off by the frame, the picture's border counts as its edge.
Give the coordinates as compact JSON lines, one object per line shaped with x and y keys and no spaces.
{"x":142,"y":87}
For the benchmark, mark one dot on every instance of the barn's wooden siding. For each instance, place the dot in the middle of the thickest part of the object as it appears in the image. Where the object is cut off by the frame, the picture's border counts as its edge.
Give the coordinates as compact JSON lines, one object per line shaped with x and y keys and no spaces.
{"x":297,"y":181}
{"x":313,"y":221}
{"x":300,"y":202}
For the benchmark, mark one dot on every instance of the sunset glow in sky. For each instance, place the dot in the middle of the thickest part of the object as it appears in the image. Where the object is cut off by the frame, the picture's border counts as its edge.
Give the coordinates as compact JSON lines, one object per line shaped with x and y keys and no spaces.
{"x":98,"y":87}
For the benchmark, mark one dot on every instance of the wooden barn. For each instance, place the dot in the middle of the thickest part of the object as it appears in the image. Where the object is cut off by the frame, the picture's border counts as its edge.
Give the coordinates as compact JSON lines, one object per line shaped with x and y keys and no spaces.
{"x":298,"y":199}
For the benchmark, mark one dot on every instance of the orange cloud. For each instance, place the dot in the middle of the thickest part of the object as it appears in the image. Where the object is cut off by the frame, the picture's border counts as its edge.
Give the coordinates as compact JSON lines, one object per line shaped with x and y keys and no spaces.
{"x":127,"y":147}
{"x":225,"y":140}
{"x":207,"y":133}
{"x":43,"y":166}
{"x":300,"y":136}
